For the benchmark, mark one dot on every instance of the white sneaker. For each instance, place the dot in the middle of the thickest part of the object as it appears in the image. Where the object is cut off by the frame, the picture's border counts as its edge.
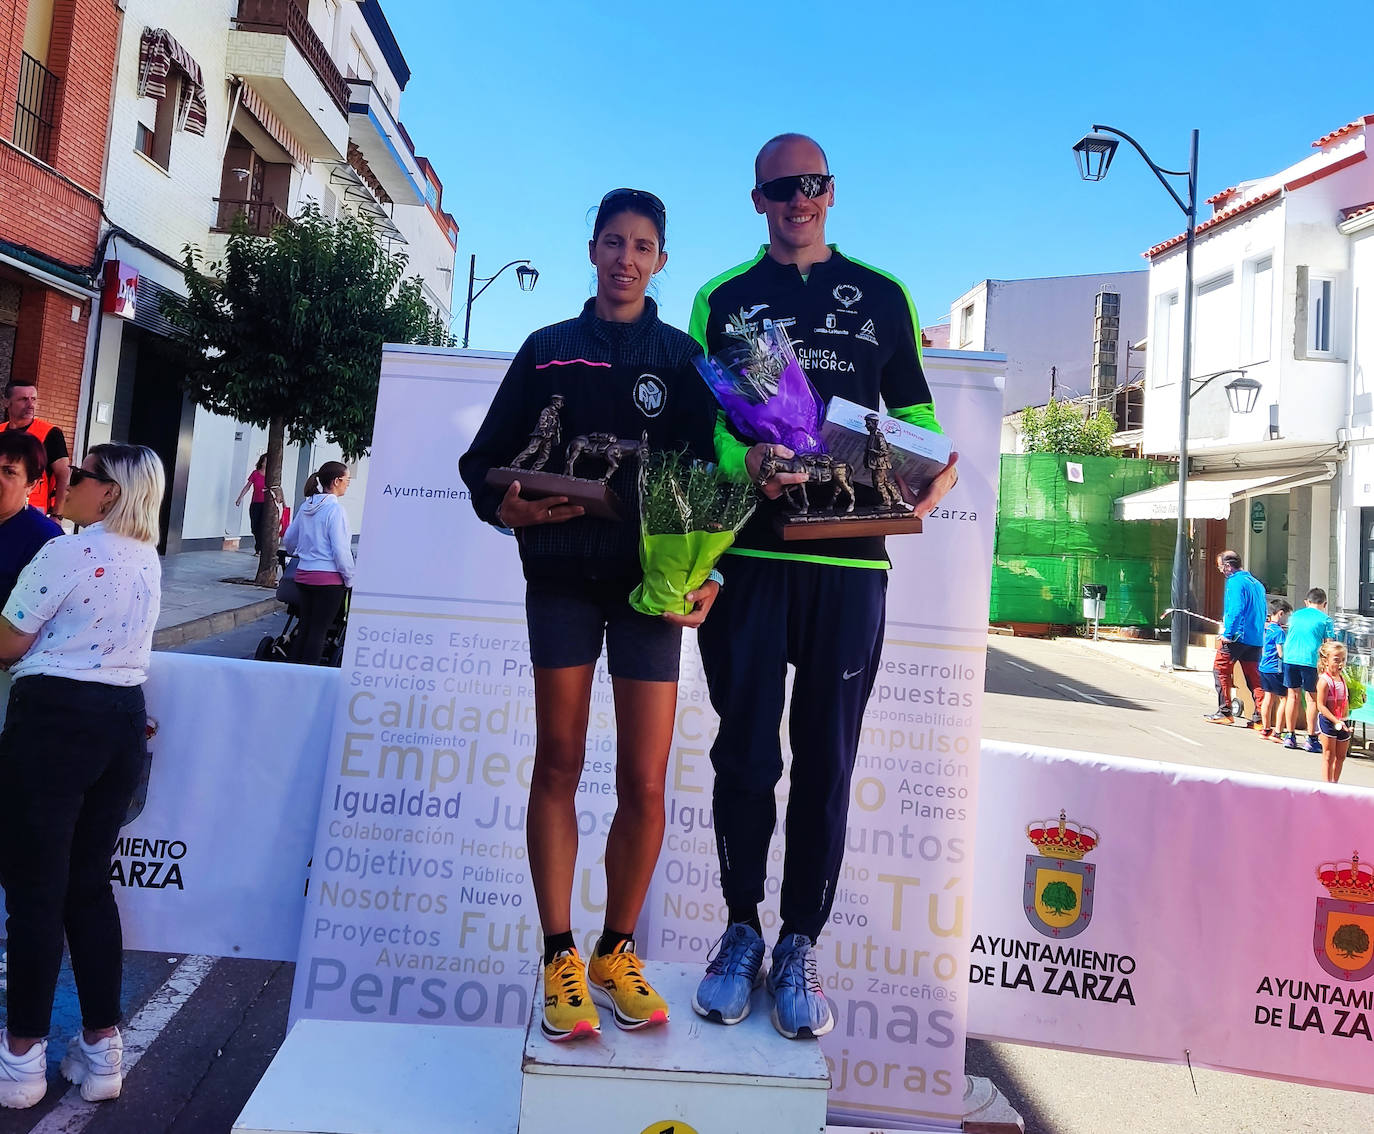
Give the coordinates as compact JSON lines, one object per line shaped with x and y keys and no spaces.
{"x":98,"y":1067}
{"x":23,"y":1078}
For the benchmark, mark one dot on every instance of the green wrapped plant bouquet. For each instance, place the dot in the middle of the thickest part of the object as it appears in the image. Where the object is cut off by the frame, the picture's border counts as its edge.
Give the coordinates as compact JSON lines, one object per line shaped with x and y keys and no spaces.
{"x":688,"y":517}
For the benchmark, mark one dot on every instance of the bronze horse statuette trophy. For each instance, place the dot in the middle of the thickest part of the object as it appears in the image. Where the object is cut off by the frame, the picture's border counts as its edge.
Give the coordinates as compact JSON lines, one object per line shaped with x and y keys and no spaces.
{"x":593,"y":494}
{"x":826,"y":505}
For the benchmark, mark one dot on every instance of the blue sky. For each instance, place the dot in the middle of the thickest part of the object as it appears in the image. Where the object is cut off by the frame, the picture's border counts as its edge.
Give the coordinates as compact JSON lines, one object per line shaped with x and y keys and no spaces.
{"x":948,"y":128}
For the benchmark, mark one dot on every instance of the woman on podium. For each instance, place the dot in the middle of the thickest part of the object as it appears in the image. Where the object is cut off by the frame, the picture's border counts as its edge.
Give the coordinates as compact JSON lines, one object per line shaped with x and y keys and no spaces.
{"x":615,"y":368}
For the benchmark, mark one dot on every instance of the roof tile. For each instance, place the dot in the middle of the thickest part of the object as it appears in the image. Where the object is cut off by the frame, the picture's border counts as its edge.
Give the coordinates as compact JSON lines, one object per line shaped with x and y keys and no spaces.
{"x":1348,"y":128}
{"x":1224,"y":215}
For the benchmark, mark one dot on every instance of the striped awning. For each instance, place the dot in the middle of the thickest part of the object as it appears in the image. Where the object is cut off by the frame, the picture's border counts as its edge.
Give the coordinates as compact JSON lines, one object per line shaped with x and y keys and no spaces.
{"x":158,"y":53}
{"x":276,"y":129}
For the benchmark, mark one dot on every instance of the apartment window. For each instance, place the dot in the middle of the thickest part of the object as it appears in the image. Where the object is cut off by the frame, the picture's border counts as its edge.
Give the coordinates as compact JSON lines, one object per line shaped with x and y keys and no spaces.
{"x":35,"y":108}
{"x":359,"y":65}
{"x":1257,"y":306}
{"x":966,"y":326}
{"x":328,"y":33}
{"x":1215,"y":338}
{"x":1166,"y":340}
{"x":155,"y":142}
{"x":38,"y":30}
{"x":1320,"y":294}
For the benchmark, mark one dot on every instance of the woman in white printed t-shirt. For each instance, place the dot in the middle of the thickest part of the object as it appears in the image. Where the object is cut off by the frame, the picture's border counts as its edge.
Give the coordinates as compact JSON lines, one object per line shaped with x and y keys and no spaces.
{"x":77,"y":632}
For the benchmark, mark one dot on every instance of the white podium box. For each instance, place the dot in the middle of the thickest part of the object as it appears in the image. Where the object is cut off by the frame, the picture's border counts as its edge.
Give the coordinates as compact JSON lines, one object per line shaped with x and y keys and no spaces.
{"x":349,"y":1077}
{"x":741,"y":1079}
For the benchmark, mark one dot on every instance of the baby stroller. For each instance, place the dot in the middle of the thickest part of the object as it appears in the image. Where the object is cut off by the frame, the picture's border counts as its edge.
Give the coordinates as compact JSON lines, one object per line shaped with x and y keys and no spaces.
{"x":279,"y":648}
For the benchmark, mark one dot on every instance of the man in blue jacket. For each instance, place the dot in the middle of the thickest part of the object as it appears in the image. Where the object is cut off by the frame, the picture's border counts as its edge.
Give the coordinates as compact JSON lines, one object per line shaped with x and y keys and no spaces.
{"x":1242,"y":635}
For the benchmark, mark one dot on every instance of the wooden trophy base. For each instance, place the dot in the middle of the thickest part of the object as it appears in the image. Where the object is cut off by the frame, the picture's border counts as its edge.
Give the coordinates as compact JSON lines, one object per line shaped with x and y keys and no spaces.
{"x":832,"y":525}
{"x":595,"y":497}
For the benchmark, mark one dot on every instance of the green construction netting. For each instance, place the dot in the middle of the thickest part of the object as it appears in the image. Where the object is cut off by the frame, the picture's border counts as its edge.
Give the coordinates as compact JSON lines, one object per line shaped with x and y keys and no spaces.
{"x":1055,"y":534}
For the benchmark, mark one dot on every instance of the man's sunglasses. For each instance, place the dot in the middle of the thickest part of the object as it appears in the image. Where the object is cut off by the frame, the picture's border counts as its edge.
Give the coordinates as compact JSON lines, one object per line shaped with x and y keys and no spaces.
{"x":785,"y":188}
{"x":79,"y":474}
{"x":634,"y":195}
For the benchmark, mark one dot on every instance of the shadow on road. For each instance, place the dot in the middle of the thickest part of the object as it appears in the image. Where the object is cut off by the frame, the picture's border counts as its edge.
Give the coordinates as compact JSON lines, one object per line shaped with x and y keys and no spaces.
{"x":1013,"y":677}
{"x":981,"y":1059}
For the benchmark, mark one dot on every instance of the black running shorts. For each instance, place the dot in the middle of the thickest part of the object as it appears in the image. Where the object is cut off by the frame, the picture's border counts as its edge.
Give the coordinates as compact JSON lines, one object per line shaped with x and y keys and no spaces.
{"x":568,"y":619}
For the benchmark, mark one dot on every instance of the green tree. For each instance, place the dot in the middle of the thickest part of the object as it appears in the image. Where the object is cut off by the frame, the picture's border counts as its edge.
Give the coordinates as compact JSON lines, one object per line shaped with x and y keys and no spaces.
{"x":1059,"y":898}
{"x":286,"y":334}
{"x":1062,"y":428}
{"x":1350,"y":940}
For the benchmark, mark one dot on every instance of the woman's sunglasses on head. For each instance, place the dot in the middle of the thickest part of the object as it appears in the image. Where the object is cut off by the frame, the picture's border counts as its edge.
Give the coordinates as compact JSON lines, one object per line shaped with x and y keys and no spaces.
{"x":785,"y":188}
{"x":634,"y":195}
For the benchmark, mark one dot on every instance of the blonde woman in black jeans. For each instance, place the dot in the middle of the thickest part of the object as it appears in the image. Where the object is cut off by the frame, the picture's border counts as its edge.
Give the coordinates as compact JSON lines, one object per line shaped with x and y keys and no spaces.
{"x":77,"y":632}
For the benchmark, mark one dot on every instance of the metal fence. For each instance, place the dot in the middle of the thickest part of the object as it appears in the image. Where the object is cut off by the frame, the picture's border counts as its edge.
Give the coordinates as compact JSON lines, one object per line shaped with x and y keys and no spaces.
{"x":35,"y":110}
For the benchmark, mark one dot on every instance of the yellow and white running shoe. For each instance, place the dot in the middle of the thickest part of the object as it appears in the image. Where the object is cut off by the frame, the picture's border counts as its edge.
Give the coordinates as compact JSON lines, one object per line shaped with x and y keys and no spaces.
{"x":617,"y":980}
{"x":568,"y":1009}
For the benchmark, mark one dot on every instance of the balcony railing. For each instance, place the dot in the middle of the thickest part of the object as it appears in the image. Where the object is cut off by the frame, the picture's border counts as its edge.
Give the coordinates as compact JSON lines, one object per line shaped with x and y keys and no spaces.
{"x":262,"y":216}
{"x":284,"y":17}
{"x":35,"y":109}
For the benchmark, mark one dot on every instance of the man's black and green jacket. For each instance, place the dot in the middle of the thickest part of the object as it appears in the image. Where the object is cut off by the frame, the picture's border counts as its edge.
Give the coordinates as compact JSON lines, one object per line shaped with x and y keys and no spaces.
{"x":856,"y":335}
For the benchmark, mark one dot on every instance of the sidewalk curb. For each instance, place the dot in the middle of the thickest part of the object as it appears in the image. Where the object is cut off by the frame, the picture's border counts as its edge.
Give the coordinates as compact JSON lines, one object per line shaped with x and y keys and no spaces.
{"x":1157,"y":671}
{"x":219,"y":623}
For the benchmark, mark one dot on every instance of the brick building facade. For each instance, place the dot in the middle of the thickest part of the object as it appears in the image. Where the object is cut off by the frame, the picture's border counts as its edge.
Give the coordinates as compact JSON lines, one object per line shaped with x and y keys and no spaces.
{"x":57,"y":62}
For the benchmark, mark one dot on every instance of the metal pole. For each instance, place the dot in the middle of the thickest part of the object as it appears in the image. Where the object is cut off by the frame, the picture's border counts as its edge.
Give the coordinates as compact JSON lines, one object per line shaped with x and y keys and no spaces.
{"x":1179,"y":627}
{"x":467,"y":312}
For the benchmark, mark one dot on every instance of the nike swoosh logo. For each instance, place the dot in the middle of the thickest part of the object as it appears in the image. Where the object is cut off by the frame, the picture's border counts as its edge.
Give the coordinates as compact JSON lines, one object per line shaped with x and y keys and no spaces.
{"x":848,"y":675}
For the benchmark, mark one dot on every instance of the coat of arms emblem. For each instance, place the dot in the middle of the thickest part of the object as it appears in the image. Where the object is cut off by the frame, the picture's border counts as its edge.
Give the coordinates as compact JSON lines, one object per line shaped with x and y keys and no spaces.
{"x":1343,"y":936}
{"x":1059,"y":884}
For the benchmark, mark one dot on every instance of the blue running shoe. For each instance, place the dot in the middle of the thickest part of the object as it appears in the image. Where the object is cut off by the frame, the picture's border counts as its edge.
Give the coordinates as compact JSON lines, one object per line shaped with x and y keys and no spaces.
{"x":799,"y":1004}
{"x":733,"y":973}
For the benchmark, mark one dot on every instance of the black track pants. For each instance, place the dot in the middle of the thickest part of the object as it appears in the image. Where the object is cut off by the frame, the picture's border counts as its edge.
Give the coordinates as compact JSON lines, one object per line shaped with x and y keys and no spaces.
{"x":827,"y":622}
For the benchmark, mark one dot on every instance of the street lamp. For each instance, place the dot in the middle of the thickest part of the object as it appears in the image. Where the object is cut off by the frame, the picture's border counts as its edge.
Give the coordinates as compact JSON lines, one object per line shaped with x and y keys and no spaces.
{"x":1241,"y":393}
{"x":1094,"y":154}
{"x":525,"y":275}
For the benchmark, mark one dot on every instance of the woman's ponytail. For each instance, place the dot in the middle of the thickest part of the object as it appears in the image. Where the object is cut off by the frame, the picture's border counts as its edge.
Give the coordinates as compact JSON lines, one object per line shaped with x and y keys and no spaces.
{"x":323,"y":479}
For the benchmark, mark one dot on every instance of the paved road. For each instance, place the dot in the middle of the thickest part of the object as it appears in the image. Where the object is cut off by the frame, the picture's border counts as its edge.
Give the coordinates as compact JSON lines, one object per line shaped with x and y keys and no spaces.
{"x":212,"y":1028}
{"x":239,"y":642}
{"x":1064,"y":694}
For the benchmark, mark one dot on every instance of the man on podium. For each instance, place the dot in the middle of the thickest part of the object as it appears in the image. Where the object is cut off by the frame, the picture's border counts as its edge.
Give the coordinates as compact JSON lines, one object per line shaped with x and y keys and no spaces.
{"x":855,"y":332}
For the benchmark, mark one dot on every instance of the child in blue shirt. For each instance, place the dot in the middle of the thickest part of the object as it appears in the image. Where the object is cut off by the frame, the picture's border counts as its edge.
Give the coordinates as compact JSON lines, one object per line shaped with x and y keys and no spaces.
{"x":1274,"y":711}
{"x":1308,"y":628}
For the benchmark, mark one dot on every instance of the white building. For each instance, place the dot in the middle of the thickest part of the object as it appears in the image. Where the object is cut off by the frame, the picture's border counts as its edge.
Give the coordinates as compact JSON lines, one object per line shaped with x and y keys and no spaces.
{"x":301,"y":101}
{"x":1354,"y":523}
{"x":1279,"y":269}
{"x":1045,"y":327}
